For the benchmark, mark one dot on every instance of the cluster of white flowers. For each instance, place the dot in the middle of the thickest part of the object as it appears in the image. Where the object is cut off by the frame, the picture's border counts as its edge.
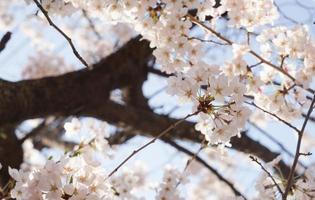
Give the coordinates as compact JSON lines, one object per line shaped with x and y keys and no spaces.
{"x":168,"y":187}
{"x":223,"y":117}
{"x":292,"y":49}
{"x":250,"y":13}
{"x":45,"y":64}
{"x":56,"y":6}
{"x":166,"y":24}
{"x":294,"y":44}
{"x":128,"y":182}
{"x":303,"y":188}
{"x":78,"y":174}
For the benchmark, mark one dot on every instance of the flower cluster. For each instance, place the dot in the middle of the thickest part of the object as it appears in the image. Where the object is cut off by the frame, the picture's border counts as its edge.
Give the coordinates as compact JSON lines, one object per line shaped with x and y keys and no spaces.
{"x":168,"y":187}
{"x":303,"y":186}
{"x":45,"y":64}
{"x":167,"y":25}
{"x":250,"y":13}
{"x":284,"y":91}
{"x":294,"y":45}
{"x":56,"y":6}
{"x":78,"y":174}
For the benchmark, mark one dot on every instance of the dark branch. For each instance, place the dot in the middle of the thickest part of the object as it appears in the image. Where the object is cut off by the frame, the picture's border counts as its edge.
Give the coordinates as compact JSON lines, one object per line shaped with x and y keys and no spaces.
{"x":4,"y":40}
{"x":297,"y":152}
{"x":51,"y":23}
{"x":267,"y":172}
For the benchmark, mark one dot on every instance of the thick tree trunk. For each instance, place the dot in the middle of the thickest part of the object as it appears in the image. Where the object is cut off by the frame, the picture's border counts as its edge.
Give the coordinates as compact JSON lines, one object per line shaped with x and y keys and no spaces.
{"x":11,"y":153}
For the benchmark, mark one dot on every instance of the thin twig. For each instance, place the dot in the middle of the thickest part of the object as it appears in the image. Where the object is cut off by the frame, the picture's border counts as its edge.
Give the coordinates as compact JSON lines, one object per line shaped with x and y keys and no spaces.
{"x":248,"y":38}
{"x":203,"y":40}
{"x":297,"y":152}
{"x":34,"y":132}
{"x":282,"y":147}
{"x":255,"y":65}
{"x":157,"y":92}
{"x":171,"y":127}
{"x":205,"y":164}
{"x":159,"y":72}
{"x":282,"y":60}
{"x":192,"y":158}
{"x":267,"y":172}
{"x":284,"y":15}
{"x":271,"y":65}
{"x":274,"y":115}
{"x":256,"y":55}
{"x":195,"y":21}
{"x":51,"y":23}
{"x":306,"y":154}
{"x":91,"y":24}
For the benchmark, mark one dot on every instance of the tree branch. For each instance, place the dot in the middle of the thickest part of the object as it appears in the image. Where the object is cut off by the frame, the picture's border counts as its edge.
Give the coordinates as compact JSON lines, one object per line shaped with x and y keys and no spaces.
{"x":205,"y":164}
{"x":297,"y":152}
{"x":4,"y":40}
{"x":267,"y":172}
{"x":163,"y":133}
{"x":51,"y":23}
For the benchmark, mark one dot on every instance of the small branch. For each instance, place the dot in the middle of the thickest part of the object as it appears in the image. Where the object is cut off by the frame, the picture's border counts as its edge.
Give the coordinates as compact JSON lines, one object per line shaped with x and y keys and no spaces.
{"x":203,"y":40}
{"x":267,"y":172}
{"x":4,"y":40}
{"x":297,"y":152}
{"x":158,"y":72}
{"x":197,"y":22}
{"x":248,"y":38}
{"x":51,"y":23}
{"x":91,"y":24}
{"x":253,"y":53}
{"x":274,"y":115}
{"x":255,"y":65}
{"x":157,"y":92}
{"x":34,"y":132}
{"x":282,"y":60}
{"x":306,"y":154}
{"x":284,"y":15}
{"x":272,"y":65}
{"x":171,"y":127}
{"x":120,"y":137}
{"x":192,"y":158}
{"x":205,"y":164}
{"x":282,"y":147}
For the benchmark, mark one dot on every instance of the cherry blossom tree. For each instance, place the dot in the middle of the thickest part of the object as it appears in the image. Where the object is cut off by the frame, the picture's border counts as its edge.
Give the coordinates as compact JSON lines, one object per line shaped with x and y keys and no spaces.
{"x":227,"y":84}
